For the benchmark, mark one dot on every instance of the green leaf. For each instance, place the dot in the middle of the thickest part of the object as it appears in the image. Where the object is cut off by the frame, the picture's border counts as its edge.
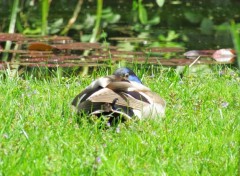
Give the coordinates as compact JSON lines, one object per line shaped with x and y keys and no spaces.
{"x":222,"y":27}
{"x":155,"y":20}
{"x":103,"y":35}
{"x":193,"y":17}
{"x":207,"y":26}
{"x":172,"y":35}
{"x":160,"y":2}
{"x":56,"y":26}
{"x":85,"y":38}
{"x":142,"y":14}
{"x":134,"y":5}
{"x":109,"y":16}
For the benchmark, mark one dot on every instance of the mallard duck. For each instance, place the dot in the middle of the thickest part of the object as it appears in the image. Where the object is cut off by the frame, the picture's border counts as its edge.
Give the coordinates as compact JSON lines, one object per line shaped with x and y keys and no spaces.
{"x":119,"y":95}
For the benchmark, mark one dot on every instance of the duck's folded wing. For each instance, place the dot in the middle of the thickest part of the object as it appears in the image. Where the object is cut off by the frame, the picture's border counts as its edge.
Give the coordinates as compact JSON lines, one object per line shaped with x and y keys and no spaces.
{"x":84,"y":95}
{"x":107,"y":95}
{"x":127,"y":86}
{"x":93,"y":87}
{"x":155,"y":98}
{"x":99,"y":84}
{"x":87,"y":107}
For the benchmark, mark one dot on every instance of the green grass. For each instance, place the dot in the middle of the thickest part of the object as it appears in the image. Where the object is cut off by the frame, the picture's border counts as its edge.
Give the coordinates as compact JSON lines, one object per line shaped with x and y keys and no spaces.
{"x":200,"y":134}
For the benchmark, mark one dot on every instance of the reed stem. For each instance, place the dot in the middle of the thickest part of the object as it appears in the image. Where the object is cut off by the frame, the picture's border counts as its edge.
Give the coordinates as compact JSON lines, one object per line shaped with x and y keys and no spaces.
{"x":73,"y":19}
{"x":93,"y":38}
{"x":45,"y":11}
{"x":236,"y":40}
{"x":11,"y":27}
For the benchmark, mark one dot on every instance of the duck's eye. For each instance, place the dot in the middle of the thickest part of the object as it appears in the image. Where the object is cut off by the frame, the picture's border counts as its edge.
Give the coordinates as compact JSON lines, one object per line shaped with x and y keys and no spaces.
{"x":126,"y":75}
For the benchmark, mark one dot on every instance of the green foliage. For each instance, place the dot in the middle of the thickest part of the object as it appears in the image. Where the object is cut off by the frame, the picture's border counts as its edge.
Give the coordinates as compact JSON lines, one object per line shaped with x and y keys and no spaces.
{"x":232,"y":28}
{"x":109,"y":17}
{"x":193,"y":16}
{"x":235,"y":28}
{"x":40,"y":135}
{"x":154,"y":17}
{"x":142,"y":12}
{"x":56,"y":26}
{"x":172,"y":35}
{"x":160,"y":2}
{"x":207,"y":26}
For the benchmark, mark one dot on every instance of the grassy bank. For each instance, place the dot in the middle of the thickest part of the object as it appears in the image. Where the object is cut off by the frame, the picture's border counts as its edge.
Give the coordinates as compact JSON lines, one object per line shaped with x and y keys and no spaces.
{"x":200,"y":135}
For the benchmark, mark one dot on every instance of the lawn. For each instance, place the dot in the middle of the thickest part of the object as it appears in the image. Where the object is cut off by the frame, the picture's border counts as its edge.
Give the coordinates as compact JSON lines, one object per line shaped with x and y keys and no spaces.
{"x":200,"y":135}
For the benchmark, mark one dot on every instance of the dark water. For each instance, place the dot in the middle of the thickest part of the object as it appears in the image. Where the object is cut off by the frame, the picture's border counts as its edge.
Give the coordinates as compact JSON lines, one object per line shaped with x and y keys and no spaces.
{"x":197,"y":23}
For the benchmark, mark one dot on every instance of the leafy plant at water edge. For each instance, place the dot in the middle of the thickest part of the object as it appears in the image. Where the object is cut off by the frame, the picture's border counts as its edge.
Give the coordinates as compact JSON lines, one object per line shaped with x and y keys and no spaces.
{"x":235,"y":28}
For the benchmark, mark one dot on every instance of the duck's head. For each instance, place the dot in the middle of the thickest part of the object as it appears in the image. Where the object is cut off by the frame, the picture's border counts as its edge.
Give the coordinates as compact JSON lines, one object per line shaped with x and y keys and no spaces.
{"x":128,"y":74}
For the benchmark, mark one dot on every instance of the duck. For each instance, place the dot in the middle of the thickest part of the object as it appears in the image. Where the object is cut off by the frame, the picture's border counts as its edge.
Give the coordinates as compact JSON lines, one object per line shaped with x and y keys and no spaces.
{"x":120,"y":95}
